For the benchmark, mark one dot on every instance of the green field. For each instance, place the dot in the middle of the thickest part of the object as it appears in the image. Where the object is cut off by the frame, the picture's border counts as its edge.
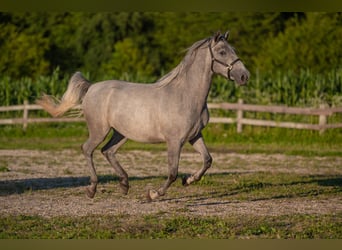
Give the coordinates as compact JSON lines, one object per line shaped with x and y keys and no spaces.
{"x":219,"y":137}
{"x":180,"y":227}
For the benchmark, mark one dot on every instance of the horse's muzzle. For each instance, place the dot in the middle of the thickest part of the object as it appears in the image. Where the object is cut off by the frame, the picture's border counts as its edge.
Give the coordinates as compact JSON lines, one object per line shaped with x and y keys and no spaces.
{"x":240,"y":76}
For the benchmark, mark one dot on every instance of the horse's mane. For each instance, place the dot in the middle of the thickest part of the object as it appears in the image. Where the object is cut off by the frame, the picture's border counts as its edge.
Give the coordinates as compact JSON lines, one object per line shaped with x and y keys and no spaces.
{"x":183,"y":66}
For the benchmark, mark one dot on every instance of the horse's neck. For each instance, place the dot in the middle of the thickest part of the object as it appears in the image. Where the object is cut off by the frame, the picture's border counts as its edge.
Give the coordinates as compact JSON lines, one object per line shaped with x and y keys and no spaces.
{"x":197,"y":81}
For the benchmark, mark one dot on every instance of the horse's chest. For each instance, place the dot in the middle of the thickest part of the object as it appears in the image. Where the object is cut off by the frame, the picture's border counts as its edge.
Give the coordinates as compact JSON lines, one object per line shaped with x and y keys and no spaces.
{"x":199,"y":123}
{"x":204,"y":117}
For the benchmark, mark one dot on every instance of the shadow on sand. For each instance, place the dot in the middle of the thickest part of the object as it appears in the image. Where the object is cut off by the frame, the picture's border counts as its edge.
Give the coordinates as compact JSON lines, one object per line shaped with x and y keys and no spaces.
{"x":8,"y":187}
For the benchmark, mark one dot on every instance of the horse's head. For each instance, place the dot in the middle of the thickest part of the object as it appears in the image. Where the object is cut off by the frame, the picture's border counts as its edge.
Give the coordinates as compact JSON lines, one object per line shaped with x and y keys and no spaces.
{"x":224,"y":60}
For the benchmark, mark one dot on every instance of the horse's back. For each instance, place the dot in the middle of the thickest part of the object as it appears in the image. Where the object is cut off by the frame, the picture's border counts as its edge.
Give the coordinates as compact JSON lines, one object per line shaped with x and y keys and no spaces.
{"x":130,"y":108}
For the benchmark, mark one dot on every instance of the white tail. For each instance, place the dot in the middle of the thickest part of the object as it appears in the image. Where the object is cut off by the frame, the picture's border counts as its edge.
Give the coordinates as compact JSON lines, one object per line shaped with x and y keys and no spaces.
{"x":77,"y":88}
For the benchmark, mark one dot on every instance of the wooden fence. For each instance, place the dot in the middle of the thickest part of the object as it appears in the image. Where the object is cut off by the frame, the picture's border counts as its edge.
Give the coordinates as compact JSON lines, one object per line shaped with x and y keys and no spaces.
{"x":323,"y":112}
{"x":25,"y":120}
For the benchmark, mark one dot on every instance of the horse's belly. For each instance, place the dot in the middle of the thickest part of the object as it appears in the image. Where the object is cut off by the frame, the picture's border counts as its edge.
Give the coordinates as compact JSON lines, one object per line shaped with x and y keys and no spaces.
{"x":142,"y":135}
{"x":138,"y":125}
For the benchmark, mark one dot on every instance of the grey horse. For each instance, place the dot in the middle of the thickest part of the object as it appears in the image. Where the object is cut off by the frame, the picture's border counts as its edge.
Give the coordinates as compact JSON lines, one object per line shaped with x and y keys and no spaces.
{"x":172,"y":110}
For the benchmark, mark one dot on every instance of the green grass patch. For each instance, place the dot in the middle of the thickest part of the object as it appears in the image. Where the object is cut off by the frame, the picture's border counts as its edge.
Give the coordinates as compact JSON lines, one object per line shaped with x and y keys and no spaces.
{"x":219,"y":137}
{"x":273,"y":140}
{"x":4,"y":168}
{"x":169,"y":227}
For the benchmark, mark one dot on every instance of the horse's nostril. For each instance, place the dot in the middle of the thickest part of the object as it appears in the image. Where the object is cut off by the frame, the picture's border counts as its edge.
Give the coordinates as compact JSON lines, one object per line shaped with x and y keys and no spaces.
{"x":244,"y":78}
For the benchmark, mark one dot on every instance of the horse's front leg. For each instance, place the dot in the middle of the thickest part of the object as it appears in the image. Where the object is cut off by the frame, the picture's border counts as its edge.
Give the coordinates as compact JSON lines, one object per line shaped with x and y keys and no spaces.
{"x":174,"y":149}
{"x":199,"y":146}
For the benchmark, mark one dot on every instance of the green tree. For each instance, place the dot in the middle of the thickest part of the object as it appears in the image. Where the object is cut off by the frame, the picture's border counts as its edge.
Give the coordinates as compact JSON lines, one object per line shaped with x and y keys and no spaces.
{"x":22,"y":54}
{"x":126,"y":60}
{"x":39,"y":42}
{"x":311,"y":43}
{"x":176,"y":31}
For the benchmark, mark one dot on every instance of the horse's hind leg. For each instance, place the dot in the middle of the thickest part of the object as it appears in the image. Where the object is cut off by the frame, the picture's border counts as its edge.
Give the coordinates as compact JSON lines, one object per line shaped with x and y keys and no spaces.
{"x":199,"y":146}
{"x":109,"y":151}
{"x":95,"y":138}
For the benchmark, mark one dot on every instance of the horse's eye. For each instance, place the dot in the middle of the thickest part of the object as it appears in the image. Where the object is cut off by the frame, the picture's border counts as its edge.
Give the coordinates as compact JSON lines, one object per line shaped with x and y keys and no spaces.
{"x":222,"y":52}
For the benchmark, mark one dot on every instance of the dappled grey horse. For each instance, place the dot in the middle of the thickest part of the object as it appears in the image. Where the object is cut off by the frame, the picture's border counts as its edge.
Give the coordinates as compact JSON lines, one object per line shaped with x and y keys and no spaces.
{"x":172,"y":110}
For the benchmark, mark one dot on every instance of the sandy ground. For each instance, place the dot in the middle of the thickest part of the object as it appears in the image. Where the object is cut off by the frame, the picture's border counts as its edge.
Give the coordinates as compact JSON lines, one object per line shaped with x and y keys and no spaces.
{"x":52,"y":184}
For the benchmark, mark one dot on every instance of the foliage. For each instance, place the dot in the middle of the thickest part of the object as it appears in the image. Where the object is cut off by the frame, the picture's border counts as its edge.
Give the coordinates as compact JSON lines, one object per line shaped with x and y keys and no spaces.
{"x":291,"y":56}
{"x":127,"y":60}
{"x":303,"y":88}
{"x":312,"y":42}
{"x":22,"y":54}
{"x":16,"y":90}
{"x":87,"y":41}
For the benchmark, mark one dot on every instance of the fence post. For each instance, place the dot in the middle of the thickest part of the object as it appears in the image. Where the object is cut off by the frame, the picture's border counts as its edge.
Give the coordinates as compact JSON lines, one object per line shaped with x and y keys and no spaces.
{"x":25,"y":115}
{"x":322,"y":119}
{"x":239,"y":116}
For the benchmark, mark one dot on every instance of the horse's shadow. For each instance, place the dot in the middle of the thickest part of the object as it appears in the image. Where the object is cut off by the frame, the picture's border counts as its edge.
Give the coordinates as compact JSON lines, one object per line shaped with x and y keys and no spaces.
{"x":19,"y":186}
{"x":8,"y":187}
{"x":219,"y":197}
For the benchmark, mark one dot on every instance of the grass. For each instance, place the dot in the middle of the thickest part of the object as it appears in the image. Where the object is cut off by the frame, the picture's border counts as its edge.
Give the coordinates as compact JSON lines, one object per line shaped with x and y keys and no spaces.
{"x":152,"y":227}
{"x":247,"y":186}
{"x":269,"y":186}
{"x":219,"y":137}
{"x":181,"y":223}
{"x":3,"y":168}
{"x":43,"y":136}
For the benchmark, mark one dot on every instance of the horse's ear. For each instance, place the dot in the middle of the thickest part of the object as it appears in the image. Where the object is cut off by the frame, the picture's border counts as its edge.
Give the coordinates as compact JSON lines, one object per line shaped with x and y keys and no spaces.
{"x":226,"y":35}
{"x":217,"y":36}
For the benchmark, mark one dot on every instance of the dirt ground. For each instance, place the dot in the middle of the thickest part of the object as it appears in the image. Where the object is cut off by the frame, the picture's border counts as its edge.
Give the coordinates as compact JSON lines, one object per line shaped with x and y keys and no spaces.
{"x":50,"y":184}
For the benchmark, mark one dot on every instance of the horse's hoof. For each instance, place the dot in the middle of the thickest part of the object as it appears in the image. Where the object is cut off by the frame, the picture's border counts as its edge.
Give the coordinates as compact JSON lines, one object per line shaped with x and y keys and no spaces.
{"x":90,"y":192}
{"x":148,"y":197}
{"x":184,"y":181}
{"x":152,"y":195}
{"x":124,"y":188}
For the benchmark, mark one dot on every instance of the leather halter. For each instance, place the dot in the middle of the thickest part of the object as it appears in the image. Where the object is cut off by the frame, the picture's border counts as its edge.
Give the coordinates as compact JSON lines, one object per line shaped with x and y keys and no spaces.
{"x":228,"y":66}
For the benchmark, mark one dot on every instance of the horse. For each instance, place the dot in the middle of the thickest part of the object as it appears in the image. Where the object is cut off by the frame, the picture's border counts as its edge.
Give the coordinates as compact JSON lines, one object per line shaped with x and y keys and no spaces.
{"x":172,"y":110}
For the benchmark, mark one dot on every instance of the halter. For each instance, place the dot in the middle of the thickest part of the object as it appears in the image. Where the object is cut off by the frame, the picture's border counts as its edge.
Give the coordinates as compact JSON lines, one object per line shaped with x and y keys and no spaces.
{"x":229,"y":66}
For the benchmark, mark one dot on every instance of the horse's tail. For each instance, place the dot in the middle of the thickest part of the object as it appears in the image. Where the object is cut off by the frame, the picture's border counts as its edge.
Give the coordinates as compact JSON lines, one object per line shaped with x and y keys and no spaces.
{"x":77,"y":88}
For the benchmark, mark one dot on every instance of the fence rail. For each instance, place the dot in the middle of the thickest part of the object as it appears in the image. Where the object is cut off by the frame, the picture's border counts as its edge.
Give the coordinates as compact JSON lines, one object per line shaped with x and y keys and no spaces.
{"x":323,"y":113}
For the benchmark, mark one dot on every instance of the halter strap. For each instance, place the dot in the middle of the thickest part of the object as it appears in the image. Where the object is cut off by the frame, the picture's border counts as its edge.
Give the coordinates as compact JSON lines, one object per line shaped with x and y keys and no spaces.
{"x":228,"y":66}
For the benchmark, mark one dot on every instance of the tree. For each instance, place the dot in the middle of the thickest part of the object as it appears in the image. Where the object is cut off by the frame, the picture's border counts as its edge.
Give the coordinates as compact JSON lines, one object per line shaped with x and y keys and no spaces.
{"x":39,"y":42}
{"x":311,"y":43}
{"x":127,"y":60}
{"x":22,"y":54}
